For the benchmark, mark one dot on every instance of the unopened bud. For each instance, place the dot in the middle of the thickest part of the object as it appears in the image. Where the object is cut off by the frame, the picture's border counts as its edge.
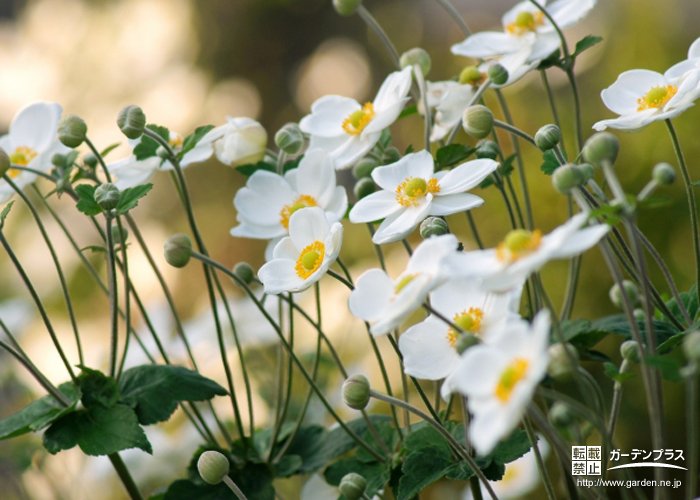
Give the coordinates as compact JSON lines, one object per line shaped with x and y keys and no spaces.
{"x":107,"y":196}
{"x":58,"y":160}
{"x":178,"y":250}
{"x":498,"y":74}
{"x":364,"y":187}
{"x":352,"y":486}
{"x":131,"y":121}
{"x":691,"y":346}
{"x":433,"y":226}
{"x":391,"y":155}
{"x":471,"y":76}
{"x":356,"y":392}
{"x":631,"y":351}
{"x":5,"y":162}
{"x":629,"y":288}
{"x":567,"y":177}
{"x":586,"y":170}
{"x":601,"y":147}
{"x":346,"y":7}
{"x":71,"y":131}
{"x":213,"y":467}
{"x":244,"y":272}
{"x":477,"y":121}
{"x":363,"y":168}
{"x":290,"y":138}
{"x":563,"y":359}
{"x":465,"y":341}
{"x":664,"y":174}
{"x":561,"y":414}
{"x":487,"y":149}
{"x":416,"y":56}
{"x":547,"y":137}
{"x":639,"y":315}
{"x":90,"y":160}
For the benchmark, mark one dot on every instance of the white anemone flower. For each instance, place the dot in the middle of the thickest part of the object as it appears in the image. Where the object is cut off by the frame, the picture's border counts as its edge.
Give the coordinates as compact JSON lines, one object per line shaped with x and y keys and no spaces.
{"x":267,"y":202}
{"x":641,"y":96}
{"x":449,"y":99}
{"x":523,"y":252}
{"x":239,"y":141}
{"x":692,"y":63}
{"x":31,"y":142}
{"x":302,"y":258}
{"x":431,"y":348}
{"x":385,"y":303}
{"x":499,"y":379}
{"x":412,"y":190}
{"x":348,"y":130}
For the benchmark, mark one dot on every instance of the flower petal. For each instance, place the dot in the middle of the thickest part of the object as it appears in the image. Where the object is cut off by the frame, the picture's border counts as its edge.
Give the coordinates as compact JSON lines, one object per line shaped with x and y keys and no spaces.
{"x":374,"y":207}
{"x":427,"y":353}
{"x":371,"y":295}
{"x":308,"y":225}
{"x":327,"y":116}
{"x":466,"y":176}
{"x":418,"y":164}
{"x":399,"y":225}
{"x":35,"y":126}
{"x":454,"y":203}
{"x":490,"y":44}
{"x":393,"y":90}
{"x":568,"y":12}
{"x":279,"y":276}
{"x":263,"y":197}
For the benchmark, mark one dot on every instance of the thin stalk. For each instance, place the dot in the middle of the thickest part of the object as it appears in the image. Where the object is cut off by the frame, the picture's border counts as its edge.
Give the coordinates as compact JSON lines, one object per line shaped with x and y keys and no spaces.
{"x":422,"y":88}
{"x":100,"y":160}
{"x":541,"y":467}
{"x":127,"y":295}
{"x":552,"y":104}
{"x":113,"y":298}
{"x":617,"y":399}
{"x":372,"y":23}
{"x":125,"y":476}
{"x":514,"y":131}
{"x":33,"y":171}
{"x":474,"y":230}
{"x":454,"y":14}
{"x":692,"y":431}
{"x":234,"y":488}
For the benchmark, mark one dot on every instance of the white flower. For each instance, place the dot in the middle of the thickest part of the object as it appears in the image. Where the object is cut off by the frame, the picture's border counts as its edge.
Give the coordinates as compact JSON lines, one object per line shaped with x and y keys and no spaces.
{"x":239,"y":141}
{"x":268,"y":200}
{"x":348,"y":130}
{"x":129,"y":172}
{"x":693,"y":62}
{"x":449,"y":99}
{"x":302,"y":258}
{"x":430,"y":348}
{"x":641,"y":96}
{"x":31,"y":142}
{"x":412,"y":190}
{"x":523,"y":252}
{"x":499,"y":378}
{"x":385,"y":303}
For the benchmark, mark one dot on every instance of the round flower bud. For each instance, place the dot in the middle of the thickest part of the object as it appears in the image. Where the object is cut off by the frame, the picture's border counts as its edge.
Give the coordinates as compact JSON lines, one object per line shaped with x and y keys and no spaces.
{"x":433,"y":226}
{"x":471,"y":76}
{"x":547,"y":137}
{"x":631,"y":351}
{"x":131,"y":121}
{"x":363,"y":168}
{"x":162,"y":152}
{"x":630,"y":290}
{"x":415,"y":56}
{"x":352,"y":486}
{"x":290,"y":138}
{"x":58,"y":160}
{"x":639,"y":315}
{"x":563,"y":359}
{"x":691,"y":346}
{"x":391,"y":155}
{"x":477,"y":121}
{"x":245,"y":272}
{"x":664,"y":174}
{"x":567,"y":177}
{"x":5,"y":162}
{"x":346,"y":7}
{"x":119,"y":235}
{"x":487,"y":149}
{"x":364,"y":187}
{"x":71,"y":131}
{"x":356,"y":392}
{"x":465,"y":341}
{"x":213,"y":466}
{"x":600,"y":148}
{"x":498,"y":74}
{"x":178,"y":250}
{"x":586,"y":170}
{"x":107,"y":196}
{"x":561,"y":414}
{"x":90,"y":160}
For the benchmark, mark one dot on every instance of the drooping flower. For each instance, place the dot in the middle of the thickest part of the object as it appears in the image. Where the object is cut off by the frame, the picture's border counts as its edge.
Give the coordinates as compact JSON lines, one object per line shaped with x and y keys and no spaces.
{"x":642,"y":96}
{"x":412,"y":190}
{"x":385,"y":303}
{"x":499,"y":378}
{"x":346,"y":129}
{"x":431,"y":348}
{"x":302,"y":258}
{"x":523,"y":252}
{"x":31,"y":142}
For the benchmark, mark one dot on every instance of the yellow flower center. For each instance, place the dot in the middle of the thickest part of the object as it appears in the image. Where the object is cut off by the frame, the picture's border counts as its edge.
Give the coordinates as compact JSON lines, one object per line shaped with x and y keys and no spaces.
{"x":525,"y":22}
{"x":472,"y":76}
{"x":517,"y":244}
{"x":468,"y":321}
{"x":310,"y":259}
{"x":657,"y":97}
{"x":303,"y":201}
{"x":403,"y":282}
{"x":356,"y":122}
{"x":513,"y":374}
{"x":413,"y":189}
{"x":176,"y":141}
{"x":22,"y":156}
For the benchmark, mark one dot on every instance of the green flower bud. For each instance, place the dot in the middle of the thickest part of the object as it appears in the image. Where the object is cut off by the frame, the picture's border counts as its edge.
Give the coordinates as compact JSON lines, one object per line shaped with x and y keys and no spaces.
{"x":356,"y":392}
{"x":498,"y":74}
{"x":561,"y":414}
{"x":391,"y":155}
{"x":433,"y":226}
{"x":363,"y":168}
{"x":631,"y":351}
{"x":630,"y":290}
{"x":90,"y":160}
{"x":547,"y":137}
{"x":119,"y":235}
{"x":600,"y":148}
{"x":213,"y":466}
{"x":364,"y":187}
{"x":664,"y":174}
{"x":471,"y":76}
{"x":352,"y":486}
{"x":691,"y":346}
{"x":567,"y":177}
{"x":107,"y":196}
{"x":178,"y":250}
{"x":465,"y":341}
{"x":639,"y":315}
{"x":290,"y":138}
{"x":58,"y":160}
{"x":71,"y":131}
{"x":587,"y":171}
{"x":131,"y":121}
{"x":477,"y":121}
{"x":416,"y":56}
{"x":346,"y":7}
{"x":245,"y":272}
{"x":5,"y":162}
{"x":487,"y":149}
{"x":563,"y":359}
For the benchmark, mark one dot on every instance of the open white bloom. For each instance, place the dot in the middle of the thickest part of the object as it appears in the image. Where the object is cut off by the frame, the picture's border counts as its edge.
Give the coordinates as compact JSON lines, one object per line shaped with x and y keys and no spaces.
{"x":430,"y":348}
{"x":412,"y":190}
{"x":641,"y":96}
{"x":348,"y":130}
{"x":129,"y":172}
{"x":264,"y":206}
{"x":385,"y":303}
{"x":499,"y":378}
{"x":692,"y":63}
{"x":523,"y":252}
{"x":302,"y":258}
{"x":31,"y":142}
{"x":449,"y":99}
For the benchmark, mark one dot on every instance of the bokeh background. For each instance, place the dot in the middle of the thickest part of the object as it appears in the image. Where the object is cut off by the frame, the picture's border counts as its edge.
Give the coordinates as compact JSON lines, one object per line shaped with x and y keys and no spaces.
{"x":189,"y":63}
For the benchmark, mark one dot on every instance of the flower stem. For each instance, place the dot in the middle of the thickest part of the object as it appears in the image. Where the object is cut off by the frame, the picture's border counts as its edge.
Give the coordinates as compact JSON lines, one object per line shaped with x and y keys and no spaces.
{"x":541,"y":467}
{"x":125,"y":476}
{"x":617,"y":399}
{"x":692,"y":430}
{"x":113,"y":297}
{"x":454,"y":14}
{"x":372,"y":23}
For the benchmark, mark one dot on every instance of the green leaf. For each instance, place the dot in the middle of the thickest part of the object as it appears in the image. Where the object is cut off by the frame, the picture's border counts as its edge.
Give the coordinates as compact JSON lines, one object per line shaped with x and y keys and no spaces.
{"x":375,"y":473}
{"x":185,"y":489}
{"x":408,"y":111}
{"x":506,"y":168}
{"x":422,"y":468}
{"x":690,"y":300}
{"x":97,"y":389}
{"x":39,"y":413}
{"x":191,"y":140}
{"x":670,"y":344}
{"x":130,"y":197}
{"x":109,"y":149}
{"x":608,"y":214}
{"x":513,"y":447}
{"x":670,"y":368}
{"x":586,"y":43}
{"x":452,"y":154}
{"x":147,"y":147}
{"x":86,"y":200}
{"x":619,"y":325}
{"x":254,"y":480}
{"x":250,"y":168}
{"x":5,"y":212}
{"x":613,"y":372}
{"x":553,"y":60}
{"x":98,"y":431}
{"x":581,"y":333}
{"x":549,"y":163}
{"x":288,"y":465}
{"x":155,"y":390}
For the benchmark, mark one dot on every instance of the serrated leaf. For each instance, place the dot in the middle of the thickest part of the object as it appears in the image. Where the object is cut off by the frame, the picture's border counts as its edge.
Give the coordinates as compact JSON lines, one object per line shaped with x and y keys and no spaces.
{"x":288,"y":465}
{"x":191,"y":140}
{"x":254,"y":480}
{"x":250,"y":168}
{"x":148,"y":147}
{"x":129,"y":198}
{"x":669,"y":368}
{"x":552,"y":60}
{"x":97,"y":389}
{"x":376,"y":474}
{"x":155,"y":390}
{"x":421,"y":469}
{"x":452,"y":154}
{"x":86,"y":200}
{"x":618,"y":324}
{"x":5,"y":212}
{"x":549,"y":163}
{"x":670,"y":344}
{"x":581,"y":333}
{"x":586,"y":43}
{"x":506,"y":168}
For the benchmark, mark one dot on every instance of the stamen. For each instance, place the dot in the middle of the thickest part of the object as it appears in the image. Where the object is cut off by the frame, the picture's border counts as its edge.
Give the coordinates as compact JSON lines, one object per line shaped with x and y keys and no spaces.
{"x":517,"y":244}
{"x":310,"y":259}
{"x":413,"y":189}
{"x":356,"y":122}
{"x":303,"y":201}
{"x":656,"y":97}
{"x":513,"y":374}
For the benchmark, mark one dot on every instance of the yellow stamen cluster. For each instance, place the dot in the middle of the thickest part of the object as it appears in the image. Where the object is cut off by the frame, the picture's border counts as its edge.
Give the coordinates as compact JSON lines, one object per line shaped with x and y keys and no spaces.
{"x":310,"y":259}
{"x":525,"y":22}
{"x":657,"y":97}
{"x":303,"y":201}
{"x":22,"y":156}
{"x":511,"y":376}
{"x":356,"y":122}
{"x":468,"y":321}
{"x":517,"y":244}
{"x":413,"y":189}
{"x":175,"y":141}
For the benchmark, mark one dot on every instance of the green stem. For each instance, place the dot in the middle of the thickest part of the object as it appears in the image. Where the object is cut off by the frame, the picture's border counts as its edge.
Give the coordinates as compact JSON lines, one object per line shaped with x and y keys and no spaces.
{"x":692,"y":431}
{"x":541,"y":467}
{"x":100,"y":160}
{"x":454,"y":14}
{"x":372,"y":23}
{"x":113,"y":298}
{"x":617,"y":399}
{"x":125,"y":476}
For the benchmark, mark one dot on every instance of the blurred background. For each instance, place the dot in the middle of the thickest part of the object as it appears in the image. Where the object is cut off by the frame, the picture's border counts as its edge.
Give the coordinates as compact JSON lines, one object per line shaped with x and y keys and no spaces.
{"x":188,"y":63}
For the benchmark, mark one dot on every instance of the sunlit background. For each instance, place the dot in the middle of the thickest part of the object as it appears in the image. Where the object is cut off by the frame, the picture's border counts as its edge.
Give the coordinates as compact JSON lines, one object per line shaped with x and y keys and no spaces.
{"x":189,"y":63}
